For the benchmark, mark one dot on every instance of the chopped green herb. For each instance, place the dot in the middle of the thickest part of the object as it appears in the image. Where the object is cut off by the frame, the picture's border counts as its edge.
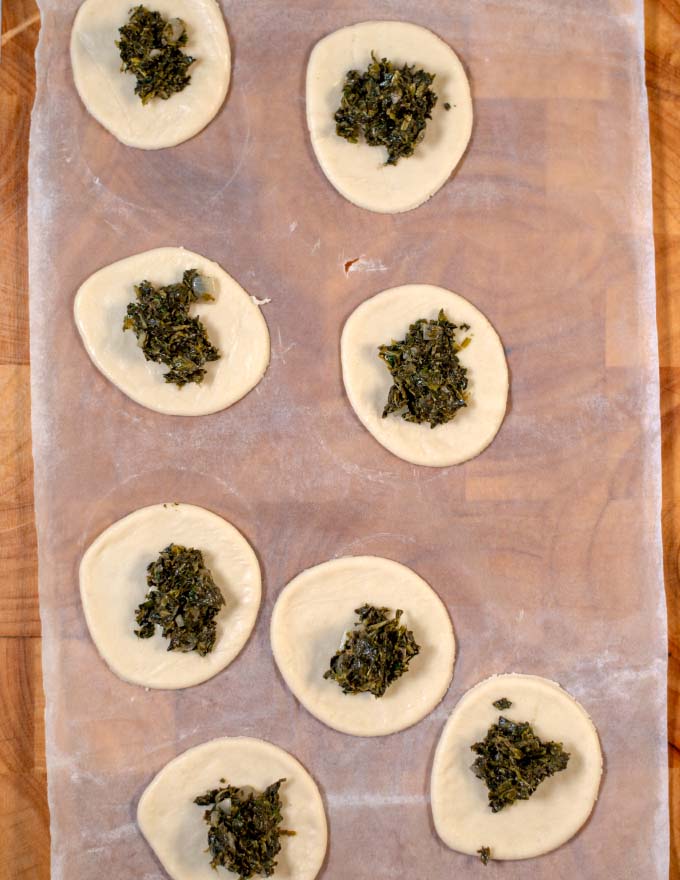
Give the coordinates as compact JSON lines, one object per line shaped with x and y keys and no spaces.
{"x":484,"y":854}
{"x":243,"y":828}
{"x":151,"y":47}
{"x":512,"y":762}
{"x":183,"y":599}
{"x":167,"y":333}
{"x":388,"y":105}
{"x":430,"y":383}
{"x":374,"y":654}
{"x":503,"y":703}
{"x":447,"y":106}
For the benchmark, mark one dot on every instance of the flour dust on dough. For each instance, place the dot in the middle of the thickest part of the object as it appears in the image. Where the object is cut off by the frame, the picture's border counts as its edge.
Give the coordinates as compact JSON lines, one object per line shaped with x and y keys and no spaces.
{"x":173,"y":825}
{"x":233,"y":321}
{"x":559,"y":806}
{"x":113,"y":584}
{"x":358,"y":171}
{"x":316,"y":609}
{"x":109,"y":93}
{"x":387,"y":316}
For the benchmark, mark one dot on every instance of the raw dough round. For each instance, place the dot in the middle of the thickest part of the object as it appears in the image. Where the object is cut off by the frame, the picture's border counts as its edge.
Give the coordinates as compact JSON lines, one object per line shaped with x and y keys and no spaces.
{"x":109,"y":93}
{"x":173,"y":825}
{"x":387,"y":316}
{"x":113,"y":583}
{"x":233,"y":322}
{"x":358,"y":171}
{"x":558,"y":807}
{"x":316,"y":609}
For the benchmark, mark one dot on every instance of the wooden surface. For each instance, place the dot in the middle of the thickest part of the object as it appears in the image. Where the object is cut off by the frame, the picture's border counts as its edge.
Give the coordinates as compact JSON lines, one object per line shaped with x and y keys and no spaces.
{"x":24,"y":819}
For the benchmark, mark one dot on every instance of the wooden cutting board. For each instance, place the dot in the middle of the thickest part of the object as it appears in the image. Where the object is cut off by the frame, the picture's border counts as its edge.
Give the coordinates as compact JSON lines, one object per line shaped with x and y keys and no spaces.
{"x":24,"y":817}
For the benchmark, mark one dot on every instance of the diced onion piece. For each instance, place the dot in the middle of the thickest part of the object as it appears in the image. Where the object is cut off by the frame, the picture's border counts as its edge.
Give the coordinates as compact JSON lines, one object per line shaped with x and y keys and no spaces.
{"x":173,"y":30}
{"x":204,"y":284}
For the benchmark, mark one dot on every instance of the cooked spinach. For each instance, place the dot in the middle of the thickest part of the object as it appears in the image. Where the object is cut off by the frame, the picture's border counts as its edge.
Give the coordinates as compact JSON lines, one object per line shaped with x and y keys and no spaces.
{"x":429,"y":382}
{"x":167,"y":333}
{"x":183,"y":599}
{"x":374,"y":654}
{"x":243,"y":828}
{"x":386,"y":105}
{"x":512,"y":762}
{"x":151,"y":47}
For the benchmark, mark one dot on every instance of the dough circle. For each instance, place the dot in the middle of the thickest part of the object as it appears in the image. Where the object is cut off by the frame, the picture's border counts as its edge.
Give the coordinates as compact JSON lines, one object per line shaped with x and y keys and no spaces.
{"x":233,"y":322}
{"x":387,"y":316}
{"x":113,"y":583}
{"x":558,"y":807}
{"x":109,"y":93}
{"x":358,"y":171}
{"x":316,"y":609}
{"x":173,"y":825}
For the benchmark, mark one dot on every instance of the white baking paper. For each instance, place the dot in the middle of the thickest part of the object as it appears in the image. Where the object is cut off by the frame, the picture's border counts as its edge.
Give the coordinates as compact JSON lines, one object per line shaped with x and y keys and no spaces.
{"x":546,"y":549}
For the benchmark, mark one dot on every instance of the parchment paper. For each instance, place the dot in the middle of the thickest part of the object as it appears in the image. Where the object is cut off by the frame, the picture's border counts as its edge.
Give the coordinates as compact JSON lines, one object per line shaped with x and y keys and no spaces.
{"x":546,"y":548}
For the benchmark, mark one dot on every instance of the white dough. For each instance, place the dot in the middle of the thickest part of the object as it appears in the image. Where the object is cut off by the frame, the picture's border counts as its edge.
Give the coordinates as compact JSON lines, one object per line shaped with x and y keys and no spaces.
{"x":387,"y":316}
{"x":358,"y":171}
{"x":559,"y":806}
{"x":174,"y":827}
{"x":113,"y":584}
{"x":109,"y":93}
{"x":309,"y":622}
{"x":234,"y":324}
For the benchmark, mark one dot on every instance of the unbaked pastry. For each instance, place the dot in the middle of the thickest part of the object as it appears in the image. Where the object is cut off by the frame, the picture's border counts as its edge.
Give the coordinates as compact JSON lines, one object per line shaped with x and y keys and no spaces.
{"x":113,"y":584}
{"x":233,"y":321}
{"x":173,"y":825}
{"x":316,"y":609}
{"x":387,"y":316}
{"x":358,"y":171}
{"x":559,"y":806}
{"x":109,"y":93}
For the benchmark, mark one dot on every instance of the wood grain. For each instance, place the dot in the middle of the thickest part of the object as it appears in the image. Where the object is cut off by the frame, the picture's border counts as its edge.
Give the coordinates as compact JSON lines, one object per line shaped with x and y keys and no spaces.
{"x":24,"y":817}
{"x":662,"y":20}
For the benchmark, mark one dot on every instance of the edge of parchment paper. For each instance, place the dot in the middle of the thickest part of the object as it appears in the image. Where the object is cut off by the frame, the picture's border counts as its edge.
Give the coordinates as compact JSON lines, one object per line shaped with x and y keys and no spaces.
{"x":646,"y":298}
{"x":39,"y":214}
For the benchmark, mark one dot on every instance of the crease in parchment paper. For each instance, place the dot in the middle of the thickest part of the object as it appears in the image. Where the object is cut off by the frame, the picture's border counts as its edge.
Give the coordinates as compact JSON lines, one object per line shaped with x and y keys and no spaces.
{"x":546,"y":549}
